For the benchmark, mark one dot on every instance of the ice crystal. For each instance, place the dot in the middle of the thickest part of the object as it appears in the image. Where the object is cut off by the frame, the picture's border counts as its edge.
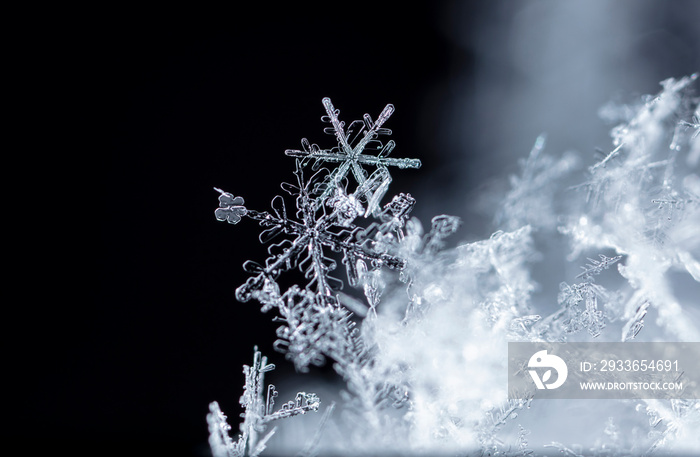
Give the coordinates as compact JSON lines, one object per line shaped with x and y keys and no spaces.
{"x":635,"y":323}
{"x":259,"y":404}
{"x":313,"y":230}
{"x":673,"y":425}
{"x":579,"y":304}
{"x":423,"y":355}
{"x":639,"y":205}
{"x":531,"y":200}
{"x":311,"y":448}
{"x":231,"y":208}
{"x":695,"y":124}
{"x":564,"y":450}
{"x":353,"y":143}
{"x":595,"y":267}
{"x":315,"y":327}
{"x":316,"y":322}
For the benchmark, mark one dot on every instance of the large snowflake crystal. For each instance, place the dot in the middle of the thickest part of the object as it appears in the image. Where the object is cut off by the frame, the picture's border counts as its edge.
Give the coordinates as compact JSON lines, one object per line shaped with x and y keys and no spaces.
{"x":313,"y":229}
{"x":317,"y":318}
{"x":351,"y":151}
{"x":324,"y":222}
{"x":326,"y":212}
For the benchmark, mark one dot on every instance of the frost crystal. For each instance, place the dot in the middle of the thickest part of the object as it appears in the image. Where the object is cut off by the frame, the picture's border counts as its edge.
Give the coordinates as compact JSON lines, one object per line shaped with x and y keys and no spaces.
{"x":361,"y":136}
{"x":639,"y":206}
{"x":317,"y":324}
{"x":231,"y":208}
{"x":259,"y":406}
{"x":595,"y":267}
{"x":312,"y":230}
{"x":423,"y":354}
{"x":531,"y":199}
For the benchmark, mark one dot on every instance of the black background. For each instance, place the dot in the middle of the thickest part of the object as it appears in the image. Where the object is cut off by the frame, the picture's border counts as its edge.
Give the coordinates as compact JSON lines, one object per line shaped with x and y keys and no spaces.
{"x":137,"y":341}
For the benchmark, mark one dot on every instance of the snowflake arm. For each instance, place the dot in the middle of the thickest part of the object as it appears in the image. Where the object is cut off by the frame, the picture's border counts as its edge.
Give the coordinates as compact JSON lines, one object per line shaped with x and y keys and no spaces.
{"x":220,"y":442}
{"x":231,"y":208}
{"x":694,"y":124}
{"x":579,"y":302}
{"x":333,"y":157}
{"x":258,"y":413}
{"x":635,"y":324}
{"x":603,"y":163}
{"x":596,"y":267}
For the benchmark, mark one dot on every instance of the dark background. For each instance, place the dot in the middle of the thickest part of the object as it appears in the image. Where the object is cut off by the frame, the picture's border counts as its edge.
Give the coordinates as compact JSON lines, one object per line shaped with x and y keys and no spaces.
{"x":179,"y":103}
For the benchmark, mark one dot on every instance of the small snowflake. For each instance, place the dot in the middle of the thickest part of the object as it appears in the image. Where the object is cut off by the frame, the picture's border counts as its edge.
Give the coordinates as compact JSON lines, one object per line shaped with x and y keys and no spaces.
{"x":353,"y":144}
{"x":695,"y":124}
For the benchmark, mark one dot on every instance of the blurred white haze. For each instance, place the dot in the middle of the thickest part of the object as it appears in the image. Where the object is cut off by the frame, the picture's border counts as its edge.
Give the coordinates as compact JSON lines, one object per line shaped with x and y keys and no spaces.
{"x":522,"y":68}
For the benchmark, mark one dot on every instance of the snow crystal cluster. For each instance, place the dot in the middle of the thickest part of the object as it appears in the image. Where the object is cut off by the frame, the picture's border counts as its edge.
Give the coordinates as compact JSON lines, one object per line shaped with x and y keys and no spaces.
{"x":424,"y":355}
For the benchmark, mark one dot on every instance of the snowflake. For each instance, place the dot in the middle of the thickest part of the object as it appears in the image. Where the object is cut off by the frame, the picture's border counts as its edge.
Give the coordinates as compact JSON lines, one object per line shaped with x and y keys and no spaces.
{"x":635,"y":324}
{"x":587,"y":293}
{"x":316,"y":318}
{"x":312,"y":231}
{"x":694,"y":124}
{"x":259,"y":411}
{"x":595,"y":267}
{"x":315,"y":326}
{"x":350,"y":152}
